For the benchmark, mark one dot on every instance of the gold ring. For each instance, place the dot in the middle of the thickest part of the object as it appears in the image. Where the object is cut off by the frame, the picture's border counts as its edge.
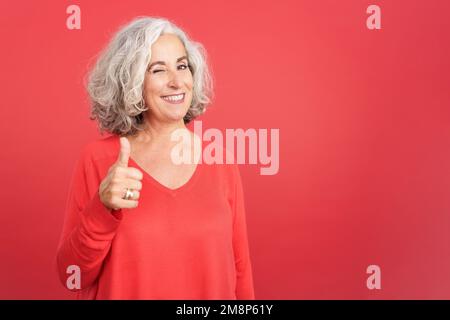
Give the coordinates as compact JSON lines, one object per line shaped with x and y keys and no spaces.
{"x":128,"y":194}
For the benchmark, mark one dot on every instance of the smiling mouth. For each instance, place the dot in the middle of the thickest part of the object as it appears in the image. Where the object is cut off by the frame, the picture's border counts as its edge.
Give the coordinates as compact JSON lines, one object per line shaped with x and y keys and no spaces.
{"x":174,"y":98}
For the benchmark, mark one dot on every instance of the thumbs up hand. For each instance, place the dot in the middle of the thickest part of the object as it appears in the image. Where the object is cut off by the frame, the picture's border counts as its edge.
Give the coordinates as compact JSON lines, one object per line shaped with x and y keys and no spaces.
{"x":124,"y":154}
{"x":120,"y":177}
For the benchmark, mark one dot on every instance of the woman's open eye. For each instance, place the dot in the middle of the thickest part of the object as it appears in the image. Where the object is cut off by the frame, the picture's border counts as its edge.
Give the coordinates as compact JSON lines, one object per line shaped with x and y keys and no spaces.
{"x":183,"y":65}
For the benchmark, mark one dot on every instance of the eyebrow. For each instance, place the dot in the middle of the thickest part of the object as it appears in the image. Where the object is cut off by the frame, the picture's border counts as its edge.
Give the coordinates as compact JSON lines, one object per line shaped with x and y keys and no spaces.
{"x":162,"y":62}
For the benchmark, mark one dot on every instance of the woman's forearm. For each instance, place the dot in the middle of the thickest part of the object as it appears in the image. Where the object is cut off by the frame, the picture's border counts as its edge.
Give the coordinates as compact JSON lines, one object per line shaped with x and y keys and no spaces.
{"x":87,"y":242}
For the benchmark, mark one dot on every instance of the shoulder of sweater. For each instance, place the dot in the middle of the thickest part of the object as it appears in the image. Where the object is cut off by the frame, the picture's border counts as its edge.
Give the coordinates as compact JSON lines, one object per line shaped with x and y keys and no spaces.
{"x":101,"y":148}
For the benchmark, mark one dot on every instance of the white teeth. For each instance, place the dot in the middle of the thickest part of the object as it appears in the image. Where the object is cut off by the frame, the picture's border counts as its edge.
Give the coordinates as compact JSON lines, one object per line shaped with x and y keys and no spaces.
{"x":174,"y":98}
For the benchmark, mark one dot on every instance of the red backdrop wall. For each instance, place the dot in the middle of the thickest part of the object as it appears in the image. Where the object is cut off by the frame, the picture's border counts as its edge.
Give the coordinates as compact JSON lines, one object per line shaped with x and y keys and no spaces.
{"x":364,"y":136}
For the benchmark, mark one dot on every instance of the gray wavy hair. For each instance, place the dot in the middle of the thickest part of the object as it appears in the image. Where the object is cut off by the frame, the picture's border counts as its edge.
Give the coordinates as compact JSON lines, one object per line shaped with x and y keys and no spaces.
{"x":115,"y":84}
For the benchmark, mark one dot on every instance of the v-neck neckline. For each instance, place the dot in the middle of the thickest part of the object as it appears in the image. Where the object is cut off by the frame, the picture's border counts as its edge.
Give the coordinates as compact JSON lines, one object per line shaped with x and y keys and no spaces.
{"x":184,"y":187}
{"x":173,"y":192}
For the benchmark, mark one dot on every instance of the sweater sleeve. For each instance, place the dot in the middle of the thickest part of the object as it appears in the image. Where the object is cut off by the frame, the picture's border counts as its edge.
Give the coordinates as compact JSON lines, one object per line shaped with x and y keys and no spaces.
{"x":244,"y":281}
{"x":89,"y":227}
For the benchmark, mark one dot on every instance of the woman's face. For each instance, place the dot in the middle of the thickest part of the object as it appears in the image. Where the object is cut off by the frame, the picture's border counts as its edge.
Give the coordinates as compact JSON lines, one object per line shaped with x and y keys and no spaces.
{"x":168,"y":80}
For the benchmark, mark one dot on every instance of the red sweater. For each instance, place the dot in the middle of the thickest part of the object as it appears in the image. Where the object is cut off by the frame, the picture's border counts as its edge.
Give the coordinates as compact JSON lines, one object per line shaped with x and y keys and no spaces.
{"x":187,"y":243}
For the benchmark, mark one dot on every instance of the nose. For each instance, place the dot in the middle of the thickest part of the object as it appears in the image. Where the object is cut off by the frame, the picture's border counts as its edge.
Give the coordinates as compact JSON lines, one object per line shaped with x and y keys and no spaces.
{"x":174,"y":80}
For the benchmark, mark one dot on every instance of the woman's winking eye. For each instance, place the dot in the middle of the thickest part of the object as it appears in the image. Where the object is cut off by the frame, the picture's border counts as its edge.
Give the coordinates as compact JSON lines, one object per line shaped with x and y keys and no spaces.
{"x":181,"y":65}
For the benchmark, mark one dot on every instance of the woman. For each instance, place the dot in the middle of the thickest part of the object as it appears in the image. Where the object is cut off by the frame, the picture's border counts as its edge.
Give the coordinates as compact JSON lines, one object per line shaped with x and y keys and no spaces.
{"x":138,"y":225}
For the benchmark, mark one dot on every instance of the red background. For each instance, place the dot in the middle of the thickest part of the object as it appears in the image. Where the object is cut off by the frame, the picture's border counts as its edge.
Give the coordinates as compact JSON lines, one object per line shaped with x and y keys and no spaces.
{"x":364,"y":136}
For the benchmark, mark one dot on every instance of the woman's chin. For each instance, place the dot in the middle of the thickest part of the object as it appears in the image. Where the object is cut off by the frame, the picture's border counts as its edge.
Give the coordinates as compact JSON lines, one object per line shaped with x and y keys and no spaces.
{"x":175,"y":116}
{"x":172,"y":114}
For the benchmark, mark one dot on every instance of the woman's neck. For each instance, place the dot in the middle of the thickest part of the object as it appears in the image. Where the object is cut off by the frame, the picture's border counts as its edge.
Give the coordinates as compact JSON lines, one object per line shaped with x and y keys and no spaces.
{"x":157,"y":134}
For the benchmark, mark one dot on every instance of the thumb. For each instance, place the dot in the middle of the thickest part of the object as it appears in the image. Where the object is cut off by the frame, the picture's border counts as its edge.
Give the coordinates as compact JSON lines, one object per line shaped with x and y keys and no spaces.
{"x":124,"y":153}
